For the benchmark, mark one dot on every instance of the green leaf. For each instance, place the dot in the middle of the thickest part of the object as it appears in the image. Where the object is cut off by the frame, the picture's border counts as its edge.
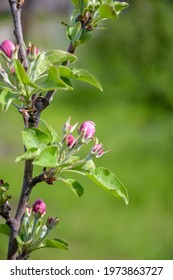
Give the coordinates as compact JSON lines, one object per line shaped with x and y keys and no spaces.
{"x":56,"y":243}
{"x":6,"y":98}
{"x":80,"y":4}
{"x":119,"y":6}
{"x":35,"y":138}
{"x":45,"y":127}
{"x":52,"y":81}
{"x":107,"y":180}
{"x":75,"y":32}
{"x":79,"y":74}
{"x":74,"y":186}
{"x":21,"y":74}
{"x":51,"y":57}
{"x":29,"y":154}
{"x":4,"y":229}
{"x":107,"y":11}
{"x":47,"y":158}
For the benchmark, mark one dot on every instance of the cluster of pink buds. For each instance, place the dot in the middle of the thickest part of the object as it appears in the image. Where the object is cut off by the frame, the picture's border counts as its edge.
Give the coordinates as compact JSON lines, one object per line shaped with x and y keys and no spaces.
{"x":86,"y":132}
{"x":7,"y":47}
{"x":32,"y":231}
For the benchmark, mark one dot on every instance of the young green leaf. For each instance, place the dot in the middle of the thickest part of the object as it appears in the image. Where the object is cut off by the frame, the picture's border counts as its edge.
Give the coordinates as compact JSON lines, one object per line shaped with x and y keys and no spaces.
{"x":45,"y":127}
{"x":107,"y":180}
{"x":4,"y":229}
{"x":29,"y":154}
{"x":80,"y":4}
{"x":107,"y":11}
{"x":47,"y":158}
{"x":56,"y":243}
{"x":35,"y":138}
{"x":52,"y":81}
{"x":74,"y":33}
{"x":74,"y":186}
{"x":21,"y":74}
{"x":51,"y":57}
{"x":79,"y":74}
{"x":6,"y":98}
{"x":119,"y":6}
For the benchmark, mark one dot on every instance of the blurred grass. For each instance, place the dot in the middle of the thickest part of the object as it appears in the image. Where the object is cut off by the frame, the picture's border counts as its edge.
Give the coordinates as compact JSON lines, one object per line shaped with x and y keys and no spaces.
{"x":134,"y":119}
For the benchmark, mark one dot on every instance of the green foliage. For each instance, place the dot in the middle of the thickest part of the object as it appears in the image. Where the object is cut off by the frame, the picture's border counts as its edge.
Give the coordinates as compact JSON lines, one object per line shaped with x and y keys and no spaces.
{"x":35,"y":138}
{"x":107,"y":11}
{"x":43,"y":74}
{"x":55,"y":243}
{"x":107,"y":180}
{"x":80,"y":74}
{"x":47,"y":157}
{"x":74,"y":186}
{"x":89,"y":15}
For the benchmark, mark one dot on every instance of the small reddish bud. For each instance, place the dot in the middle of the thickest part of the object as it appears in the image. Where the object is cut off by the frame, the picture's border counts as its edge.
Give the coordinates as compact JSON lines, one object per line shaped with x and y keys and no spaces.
{"x":97,"y":150}
{"x":7,"y":47}
{"x":39,"y":207}
{"x":70,"y":140}
{"x":52,"y":222}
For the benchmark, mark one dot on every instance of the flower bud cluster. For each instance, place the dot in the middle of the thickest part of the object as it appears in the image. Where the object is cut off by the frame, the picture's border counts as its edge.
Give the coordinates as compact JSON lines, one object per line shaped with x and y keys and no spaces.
{"x":32,"y":231}
{"x":72,"y":144}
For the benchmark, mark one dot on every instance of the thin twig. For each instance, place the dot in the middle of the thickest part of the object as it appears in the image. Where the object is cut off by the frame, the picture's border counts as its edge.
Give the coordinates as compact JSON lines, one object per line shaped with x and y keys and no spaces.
{"x":16,"y":13}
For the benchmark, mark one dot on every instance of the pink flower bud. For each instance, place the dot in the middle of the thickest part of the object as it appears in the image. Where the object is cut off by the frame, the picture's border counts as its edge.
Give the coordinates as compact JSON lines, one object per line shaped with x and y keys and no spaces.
{"x":70,"y":140}
{"x":7,"y":47}
{"x":39,"y":207}
{"x":52,"y":222}
{"x":87,"y":129}
{"x":97,"y":150}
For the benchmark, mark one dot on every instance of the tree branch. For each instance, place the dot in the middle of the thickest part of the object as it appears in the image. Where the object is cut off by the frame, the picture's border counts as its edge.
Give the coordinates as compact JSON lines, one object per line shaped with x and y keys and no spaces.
{"x":16,"y":13}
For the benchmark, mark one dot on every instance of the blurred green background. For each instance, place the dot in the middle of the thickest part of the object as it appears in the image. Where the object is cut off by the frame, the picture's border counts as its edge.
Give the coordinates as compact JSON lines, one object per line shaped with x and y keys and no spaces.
{"x":133,"y":59}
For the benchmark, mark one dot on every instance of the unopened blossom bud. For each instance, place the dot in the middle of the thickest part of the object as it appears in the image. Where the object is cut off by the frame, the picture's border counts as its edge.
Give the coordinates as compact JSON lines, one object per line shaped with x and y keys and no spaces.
{"x":97,"y":150}
{"x":87,"y":130}
{"x":7,"y":47}
{"x":70,"y":140}
{"x":32,"y":52}
{"x":52,"y":222}
{"x":28,"y":211}
{"x":39,"y":207}
{"x":68,"y":128}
